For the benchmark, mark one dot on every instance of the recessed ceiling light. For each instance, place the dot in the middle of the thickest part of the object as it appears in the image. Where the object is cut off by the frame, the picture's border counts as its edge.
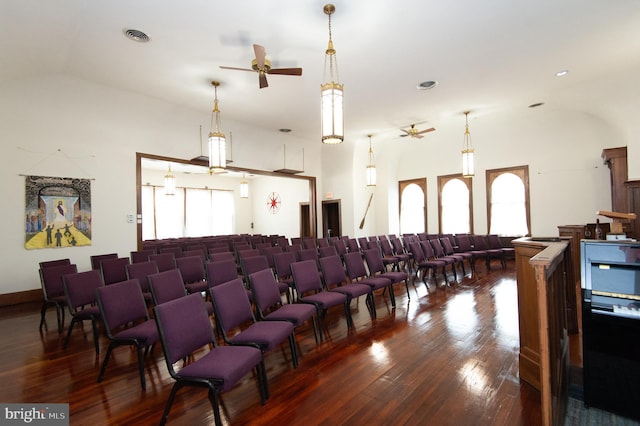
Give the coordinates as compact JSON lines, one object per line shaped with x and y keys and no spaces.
{"x":426,"y":85}
{"x":537,"y":104}
{"x":136,"y":35}
{"x":562,"y":73}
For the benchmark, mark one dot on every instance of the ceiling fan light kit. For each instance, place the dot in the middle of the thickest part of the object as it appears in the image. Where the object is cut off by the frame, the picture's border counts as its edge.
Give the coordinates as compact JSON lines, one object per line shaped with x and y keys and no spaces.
{"x":414,"y":133}
{"x":331,"y":93}
{"x":262,"y":66}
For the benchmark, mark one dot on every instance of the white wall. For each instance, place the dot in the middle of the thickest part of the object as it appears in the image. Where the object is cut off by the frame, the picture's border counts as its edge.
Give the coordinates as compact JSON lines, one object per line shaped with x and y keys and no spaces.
{"x":62,"y":126}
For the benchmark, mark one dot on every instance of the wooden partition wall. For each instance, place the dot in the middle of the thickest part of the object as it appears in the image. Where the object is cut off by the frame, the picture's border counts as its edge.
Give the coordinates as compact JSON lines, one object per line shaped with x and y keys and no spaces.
{"x":541,"y":272}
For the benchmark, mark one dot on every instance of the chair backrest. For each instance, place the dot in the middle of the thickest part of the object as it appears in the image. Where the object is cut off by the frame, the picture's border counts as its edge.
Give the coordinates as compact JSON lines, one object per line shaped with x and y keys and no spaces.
{"x":80,"y":288}
{"x":141,"y":271}
{"x":268,"y":252}
{"x":355,"y":265}
{"x":165,"y":261}
{"x":200,"y":253}
{"x":51,"y":279}
{"x":398,"y":248}
{"x":171,"y":318}
{"x":479,"y":242}
{"x":96,"y":259}
{"x":221,"y":255}
{"x":57,"y":262}
{"x":247,"y":253}
{"x":341,"y":247}
{"x":114,"y":270}
{"x":167,"y":285}
{"x":305,"y":277}
{"x":374,"y":261}
{"x":309,"y":254}
{"x":332,"y":271}
{"x":221,"y":271}
{"x":327,"y":251}
{"x":464,"y":242}
{"x":416,"y":250}
{"x":427,"y":249}
{"x":447,"y":246}
{"x":176,"y":250}
{"x":231,"y":304}
{"x":385,"y":246}
{"x":139,"y":256}
{"x":363,"y":243}
{"x":352,"y":244}
{"x":121,"y":303}
{"x":264,"y":289}
{"x":253,"y":264}
{"x":308,"y":243}
{"x":322,"y":242}
{"x":438,"y":250}
{"x":494,"y":241}
{"x":192,"y":268}
{"x":283,"y":263}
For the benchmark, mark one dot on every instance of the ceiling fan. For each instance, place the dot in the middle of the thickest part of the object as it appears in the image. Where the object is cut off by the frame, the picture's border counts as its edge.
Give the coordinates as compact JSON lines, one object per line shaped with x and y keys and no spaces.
{"x":262,"y":66}
{"x":415,"y":133}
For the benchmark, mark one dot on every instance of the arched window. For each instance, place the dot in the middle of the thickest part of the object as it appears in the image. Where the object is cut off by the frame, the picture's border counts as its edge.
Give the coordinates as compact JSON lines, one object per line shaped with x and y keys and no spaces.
{"x":455,"y":202}
{"x":413,"y":202}
{"x":508,"y":201}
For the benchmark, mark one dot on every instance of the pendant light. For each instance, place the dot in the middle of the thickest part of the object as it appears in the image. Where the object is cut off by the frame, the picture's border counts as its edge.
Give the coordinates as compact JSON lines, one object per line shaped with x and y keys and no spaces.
{"x":468,"y":167}
{"x":244,"y":187}
{"x":169,"y":183}
{"x":331,"y":92}
{"x":217,"y":148}
{"x":371,"y":167}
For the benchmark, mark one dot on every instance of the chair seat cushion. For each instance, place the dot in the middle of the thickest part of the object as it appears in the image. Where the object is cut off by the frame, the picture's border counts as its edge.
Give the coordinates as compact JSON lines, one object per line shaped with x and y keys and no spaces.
{"x":325,"y":299}
{"x":145,"y":330}
{"x":88,"y":312}
{"x":376,"y":282}
{"x":225,"y":363}
{"x":296,"y":313}
{"x":197,"y":287}
{"x":396,"y":277}
{"x":267,"y":334}
{"x":353,"y":290}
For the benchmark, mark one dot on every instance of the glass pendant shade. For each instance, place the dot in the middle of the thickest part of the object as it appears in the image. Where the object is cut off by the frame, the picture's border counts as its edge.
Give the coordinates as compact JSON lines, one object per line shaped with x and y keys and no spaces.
{"x":169,"y":183}
{"x":244,"y":188}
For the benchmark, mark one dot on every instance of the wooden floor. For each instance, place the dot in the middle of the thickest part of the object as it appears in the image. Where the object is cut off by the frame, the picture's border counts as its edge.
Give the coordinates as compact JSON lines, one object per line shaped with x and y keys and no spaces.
{"x":445,"y":356}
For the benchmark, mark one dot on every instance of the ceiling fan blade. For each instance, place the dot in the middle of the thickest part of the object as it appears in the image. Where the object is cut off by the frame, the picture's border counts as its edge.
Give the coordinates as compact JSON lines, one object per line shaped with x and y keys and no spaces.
{"x":262,"y":79}
{"x":260,"y":55}
{"x":425,"y":131}
{"x":235,"y":68}
{"x":406,"y":131}
{"x":286,"y":71}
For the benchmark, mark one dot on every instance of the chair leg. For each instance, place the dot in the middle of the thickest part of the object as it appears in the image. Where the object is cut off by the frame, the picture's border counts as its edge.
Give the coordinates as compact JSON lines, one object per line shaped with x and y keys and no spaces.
{"x":43,"y":312}
{"x":392,"y":295}
{"x":105,"y":361}
{"x":347,"y":312}
{"x":262,"y":382}
{"x":141,"y":366}
{"x":215,"y":403}
{"x":167,"y":407}
{"x":371,"y":305}
{"x":294,"y":352}
{"x":406,"y":284}
{"x":66,"y":339}
{"x":94,"y":325}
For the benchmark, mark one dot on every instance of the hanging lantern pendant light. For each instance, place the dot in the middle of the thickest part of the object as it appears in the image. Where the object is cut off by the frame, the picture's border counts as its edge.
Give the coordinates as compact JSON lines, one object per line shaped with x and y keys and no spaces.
{"x":371,"y":167}
{"x":331,"y":93}
{"x":468,"y":166}
{"x":217,"y":143}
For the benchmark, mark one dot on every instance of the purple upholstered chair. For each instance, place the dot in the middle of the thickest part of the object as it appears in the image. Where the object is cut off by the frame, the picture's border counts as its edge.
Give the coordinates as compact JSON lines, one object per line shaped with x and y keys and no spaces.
{"x":114,"y":270}
{"x":80,"y":289}
{"x":335,"y":279}
{"x":423,"y":264}
{"x":219,"y":369}
{"x":165,"y":261}
{"x":53,"y":291}
{"x":120,"y":304}
{"x":269,"y":307}
{"x":232,"y":309}
{"x":259,"y":263}
{"x":169,"y":285}
{"x":357,"y":273}
{"x":377,"y":269}
{"x":308,"y":285}
{"x":141,"y":271}
{"x":194,"y":274}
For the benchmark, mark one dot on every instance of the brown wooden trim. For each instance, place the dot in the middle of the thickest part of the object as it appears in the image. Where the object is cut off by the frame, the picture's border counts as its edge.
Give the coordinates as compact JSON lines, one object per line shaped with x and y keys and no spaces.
{"x":16,"y":298}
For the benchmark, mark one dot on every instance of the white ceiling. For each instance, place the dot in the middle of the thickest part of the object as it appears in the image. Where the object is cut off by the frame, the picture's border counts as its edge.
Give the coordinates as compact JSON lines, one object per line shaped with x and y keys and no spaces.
{"x":487,"y":56}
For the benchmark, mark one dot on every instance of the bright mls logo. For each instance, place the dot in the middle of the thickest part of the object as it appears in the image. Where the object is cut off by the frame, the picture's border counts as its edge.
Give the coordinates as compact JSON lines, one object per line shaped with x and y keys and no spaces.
{"x":49,"y":414}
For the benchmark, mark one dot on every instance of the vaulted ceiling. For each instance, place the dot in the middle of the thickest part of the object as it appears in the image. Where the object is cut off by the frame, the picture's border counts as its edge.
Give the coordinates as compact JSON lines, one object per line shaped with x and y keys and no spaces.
{"x":486,"y":56}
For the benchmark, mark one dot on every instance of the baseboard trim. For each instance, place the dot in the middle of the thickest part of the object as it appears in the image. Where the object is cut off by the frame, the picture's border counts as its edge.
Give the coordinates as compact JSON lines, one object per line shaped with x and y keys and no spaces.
{"x":16,"y":298}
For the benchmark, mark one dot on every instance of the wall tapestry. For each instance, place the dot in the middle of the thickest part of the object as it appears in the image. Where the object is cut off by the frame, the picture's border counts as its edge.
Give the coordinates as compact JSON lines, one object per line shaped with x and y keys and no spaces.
{"x":57,"y":212}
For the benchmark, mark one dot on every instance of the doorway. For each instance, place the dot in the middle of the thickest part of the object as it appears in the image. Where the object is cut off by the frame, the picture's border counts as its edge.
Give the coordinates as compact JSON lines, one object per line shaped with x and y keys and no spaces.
{"x":305,"y":221}
{"x":331,"y":219}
